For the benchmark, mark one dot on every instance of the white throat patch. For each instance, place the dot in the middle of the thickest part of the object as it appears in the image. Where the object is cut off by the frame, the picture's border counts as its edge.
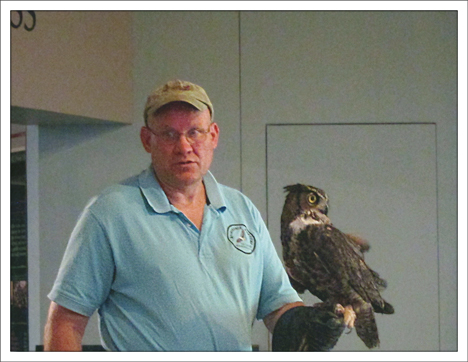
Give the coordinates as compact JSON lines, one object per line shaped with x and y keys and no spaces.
{"x":302,"y":221}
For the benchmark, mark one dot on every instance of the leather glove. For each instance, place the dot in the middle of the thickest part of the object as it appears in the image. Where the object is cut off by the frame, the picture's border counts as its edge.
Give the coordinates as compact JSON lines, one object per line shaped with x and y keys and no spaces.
{"x":316,"y":328}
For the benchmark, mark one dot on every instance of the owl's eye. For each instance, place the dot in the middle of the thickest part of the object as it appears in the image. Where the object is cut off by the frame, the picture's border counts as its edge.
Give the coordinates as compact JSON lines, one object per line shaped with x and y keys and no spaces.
{"x":312,"y":198}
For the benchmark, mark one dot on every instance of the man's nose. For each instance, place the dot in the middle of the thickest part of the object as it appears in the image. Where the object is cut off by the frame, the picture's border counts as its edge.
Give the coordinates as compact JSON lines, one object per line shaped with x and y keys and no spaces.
{"x":183,"y":143}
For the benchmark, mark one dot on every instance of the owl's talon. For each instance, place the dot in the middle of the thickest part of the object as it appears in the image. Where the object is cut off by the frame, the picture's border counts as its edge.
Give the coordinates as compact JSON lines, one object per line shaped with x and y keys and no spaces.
{"x":349,"y":317}
{"x":339,"y":309}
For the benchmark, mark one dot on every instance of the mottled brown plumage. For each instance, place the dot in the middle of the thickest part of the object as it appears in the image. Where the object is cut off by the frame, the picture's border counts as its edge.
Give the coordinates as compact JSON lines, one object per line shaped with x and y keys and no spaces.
{"x":329,"y":263}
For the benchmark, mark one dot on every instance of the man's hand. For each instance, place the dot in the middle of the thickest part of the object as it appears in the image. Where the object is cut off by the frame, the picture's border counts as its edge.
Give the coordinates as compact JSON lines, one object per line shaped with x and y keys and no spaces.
{"x":316,"y":328}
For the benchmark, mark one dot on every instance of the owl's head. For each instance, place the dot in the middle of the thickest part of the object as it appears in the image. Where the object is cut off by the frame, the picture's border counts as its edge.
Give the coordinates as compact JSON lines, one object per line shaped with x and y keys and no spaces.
{"x":304,"y":198}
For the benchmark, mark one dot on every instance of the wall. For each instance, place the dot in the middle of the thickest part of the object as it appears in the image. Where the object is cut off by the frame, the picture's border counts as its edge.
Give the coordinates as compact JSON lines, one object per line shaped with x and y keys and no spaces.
{"x":262,"y":68}
{"x":85,"y":53}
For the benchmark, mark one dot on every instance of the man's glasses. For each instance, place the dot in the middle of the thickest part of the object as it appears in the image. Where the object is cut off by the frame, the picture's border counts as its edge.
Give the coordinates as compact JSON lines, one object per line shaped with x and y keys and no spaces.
{"x":194,"y":136}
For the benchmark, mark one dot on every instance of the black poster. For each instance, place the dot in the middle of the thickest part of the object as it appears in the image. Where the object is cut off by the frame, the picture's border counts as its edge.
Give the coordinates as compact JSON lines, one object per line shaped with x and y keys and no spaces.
{"x":18,"y":255}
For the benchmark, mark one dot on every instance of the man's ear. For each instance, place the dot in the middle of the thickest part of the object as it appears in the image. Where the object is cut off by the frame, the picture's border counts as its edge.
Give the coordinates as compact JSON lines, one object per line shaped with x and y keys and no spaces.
{"x":145,"y":136}
{"x":215,"y":132}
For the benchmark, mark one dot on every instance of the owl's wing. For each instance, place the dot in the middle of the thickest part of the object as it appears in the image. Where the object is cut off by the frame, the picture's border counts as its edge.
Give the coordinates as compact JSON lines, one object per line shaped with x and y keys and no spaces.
{"x":319,"y":262}
{"x":342,"y":259}
{"x":362,"y":247}
{"x":362,"y":244}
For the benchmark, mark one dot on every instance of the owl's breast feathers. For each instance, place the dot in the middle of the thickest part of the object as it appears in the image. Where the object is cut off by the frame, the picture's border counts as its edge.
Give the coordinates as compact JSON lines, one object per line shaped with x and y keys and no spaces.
{"x":290,"y":229}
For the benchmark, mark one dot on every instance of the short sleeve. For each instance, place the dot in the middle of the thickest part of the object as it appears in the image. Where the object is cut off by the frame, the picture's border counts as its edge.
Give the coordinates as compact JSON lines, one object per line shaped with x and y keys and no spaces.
{"x":86,"y":272}
{"x":276,"y":289}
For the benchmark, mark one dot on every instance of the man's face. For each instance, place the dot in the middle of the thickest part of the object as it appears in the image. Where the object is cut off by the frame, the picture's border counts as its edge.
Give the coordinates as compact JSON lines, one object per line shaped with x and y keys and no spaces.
{"x":181,"y":152}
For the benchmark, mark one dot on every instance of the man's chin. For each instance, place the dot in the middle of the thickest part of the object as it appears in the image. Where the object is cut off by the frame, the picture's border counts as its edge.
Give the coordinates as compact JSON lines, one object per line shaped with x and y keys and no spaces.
{"x":181,"y":176}
{"x":188,"y":177}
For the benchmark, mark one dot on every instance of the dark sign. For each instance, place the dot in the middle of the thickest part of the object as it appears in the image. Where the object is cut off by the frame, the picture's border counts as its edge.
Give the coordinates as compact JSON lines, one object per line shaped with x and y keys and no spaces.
{"x":19,"y":338}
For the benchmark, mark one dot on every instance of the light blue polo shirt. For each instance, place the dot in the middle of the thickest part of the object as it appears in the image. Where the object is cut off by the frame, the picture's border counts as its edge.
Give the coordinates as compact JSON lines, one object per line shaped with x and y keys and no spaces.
{"x":158,"y":283}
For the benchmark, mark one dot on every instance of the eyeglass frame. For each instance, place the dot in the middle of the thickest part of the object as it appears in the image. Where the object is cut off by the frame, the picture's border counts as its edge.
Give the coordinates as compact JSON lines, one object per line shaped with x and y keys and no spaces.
{"x":172,"y":140}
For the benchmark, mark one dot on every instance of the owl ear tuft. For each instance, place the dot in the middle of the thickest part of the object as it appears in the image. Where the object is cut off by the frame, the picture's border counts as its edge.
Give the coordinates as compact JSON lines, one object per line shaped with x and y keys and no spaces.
{"x":297,"y":188}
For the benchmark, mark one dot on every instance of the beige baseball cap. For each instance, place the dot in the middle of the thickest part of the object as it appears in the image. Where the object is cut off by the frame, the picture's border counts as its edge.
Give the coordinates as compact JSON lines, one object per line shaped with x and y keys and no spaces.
{"x":178,"y":91}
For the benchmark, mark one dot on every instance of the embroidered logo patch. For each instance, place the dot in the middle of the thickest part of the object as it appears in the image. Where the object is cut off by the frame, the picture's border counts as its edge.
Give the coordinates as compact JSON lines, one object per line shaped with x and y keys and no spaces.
{"x":241,"y":238}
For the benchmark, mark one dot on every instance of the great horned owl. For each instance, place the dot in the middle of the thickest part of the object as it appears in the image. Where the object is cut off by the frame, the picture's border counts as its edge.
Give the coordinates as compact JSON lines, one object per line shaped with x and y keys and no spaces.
{"x":329,"y":263}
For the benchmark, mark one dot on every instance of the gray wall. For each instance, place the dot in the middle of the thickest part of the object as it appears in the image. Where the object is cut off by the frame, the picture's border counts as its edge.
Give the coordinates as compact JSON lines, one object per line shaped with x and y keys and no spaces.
{"x":265,"y":68}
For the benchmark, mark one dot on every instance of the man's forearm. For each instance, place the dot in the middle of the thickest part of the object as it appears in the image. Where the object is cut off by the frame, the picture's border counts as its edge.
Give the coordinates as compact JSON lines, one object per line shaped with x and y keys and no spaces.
{"x":64,"y":329}
{"x":61,"y":338}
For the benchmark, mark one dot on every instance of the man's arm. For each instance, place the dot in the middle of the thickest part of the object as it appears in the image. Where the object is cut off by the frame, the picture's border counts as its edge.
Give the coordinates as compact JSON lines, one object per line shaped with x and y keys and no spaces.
{"x":271,"y":319}
{"x":64,"y":329}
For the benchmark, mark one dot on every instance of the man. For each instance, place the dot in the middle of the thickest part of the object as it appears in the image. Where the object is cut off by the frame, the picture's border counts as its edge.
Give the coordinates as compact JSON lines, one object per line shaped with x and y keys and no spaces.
{"x":171,"y":259}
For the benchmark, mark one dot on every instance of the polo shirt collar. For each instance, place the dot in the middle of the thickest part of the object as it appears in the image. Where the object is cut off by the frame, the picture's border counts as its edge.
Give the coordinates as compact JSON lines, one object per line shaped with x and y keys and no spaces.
{"x":153,"y":192}
{"x":158,"y":200}
{"x":213,"y":192}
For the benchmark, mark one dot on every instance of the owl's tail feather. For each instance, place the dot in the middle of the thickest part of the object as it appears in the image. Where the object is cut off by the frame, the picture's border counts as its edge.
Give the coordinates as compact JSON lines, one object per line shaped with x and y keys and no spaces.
{"x":383,"y":307}
{"x":366,"y":327}
{"x":381,"y":283}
